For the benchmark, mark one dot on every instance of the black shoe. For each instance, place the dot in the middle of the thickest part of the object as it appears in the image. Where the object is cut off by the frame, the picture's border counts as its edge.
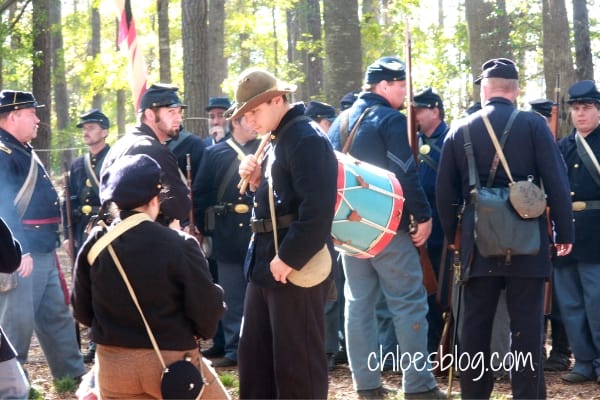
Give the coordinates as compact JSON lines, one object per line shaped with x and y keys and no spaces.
{"x":557,"y":363}
{"x":214,"y":352}
{"x":341,"y":357}
{"x":224,"y":363}
{"x":374,"y":394}
{"x":88,"y":357}
{"x":574,"y":377}
{"x":330,"y":361}
{"x":434,"y":393}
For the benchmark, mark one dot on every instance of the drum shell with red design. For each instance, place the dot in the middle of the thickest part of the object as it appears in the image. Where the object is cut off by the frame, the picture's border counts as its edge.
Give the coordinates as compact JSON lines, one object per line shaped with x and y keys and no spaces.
{"x":368,"y":208}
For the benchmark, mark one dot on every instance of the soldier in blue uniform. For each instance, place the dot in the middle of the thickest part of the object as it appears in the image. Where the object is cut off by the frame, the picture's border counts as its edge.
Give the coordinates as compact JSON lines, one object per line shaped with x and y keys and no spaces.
{"x":530,"y":151}
{"x":432,"y":129}
{"x":29,"y":204}
{"x":282,"y":350}
{"x":160,"y":121}
{"x":84,"y":175}
{"x":218,"y":202}
{"x":322,"y":113}
{"x":560,"y":354}
{"x":382,"y":140}
{"x":576,"y":277}
{"x":217,"y":123}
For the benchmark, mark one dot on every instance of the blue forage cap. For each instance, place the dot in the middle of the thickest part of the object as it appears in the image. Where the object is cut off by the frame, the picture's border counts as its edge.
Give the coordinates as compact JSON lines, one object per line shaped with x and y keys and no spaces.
{"x":317,"y":111}
{"x":161,"y":95}
{"x":218,"y":102}
{"x":542,"y":106}
{"x":473,"y":108}
{"x":498,"y":68}
{"x":427,"y":98}
{"x":131,"y":181}
{"x":94,"y":115}
{"x":584,"y":92}
{"x":348,"y":99}
{"x":386,"y":69}
{"x":11,"y":100}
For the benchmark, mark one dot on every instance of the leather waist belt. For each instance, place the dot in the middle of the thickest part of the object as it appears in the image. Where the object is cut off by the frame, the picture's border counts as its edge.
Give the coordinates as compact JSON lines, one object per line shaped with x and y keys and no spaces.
{"x":265,"y":225}
{"x":42,"y":221}
{"x":586,"y":205}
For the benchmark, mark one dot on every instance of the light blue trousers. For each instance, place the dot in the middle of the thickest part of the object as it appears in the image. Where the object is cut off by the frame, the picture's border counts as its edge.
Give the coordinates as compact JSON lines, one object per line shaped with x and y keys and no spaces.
{"x":395,"y":272}
{"x":37,"y":303}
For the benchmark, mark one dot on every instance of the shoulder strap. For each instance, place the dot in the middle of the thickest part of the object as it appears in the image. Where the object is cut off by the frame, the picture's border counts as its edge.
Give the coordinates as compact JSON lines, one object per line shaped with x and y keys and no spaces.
{"x":23,"y":197}
{"x":497,"y":145}
{"x":473,"y":175}
{"x":350,"y":140}
{"x":91,"y":174}
{"x":114,"y":233}
{"x":588,"y":157}
{"x":233,"y":168}
{"x":494,"y":166}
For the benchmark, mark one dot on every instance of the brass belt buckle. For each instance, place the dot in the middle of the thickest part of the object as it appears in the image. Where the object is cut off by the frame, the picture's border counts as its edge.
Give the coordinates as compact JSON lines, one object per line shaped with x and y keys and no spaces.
{"x":86,"y":209}
{"x":241,"y":208}
{"x":579,"y":205}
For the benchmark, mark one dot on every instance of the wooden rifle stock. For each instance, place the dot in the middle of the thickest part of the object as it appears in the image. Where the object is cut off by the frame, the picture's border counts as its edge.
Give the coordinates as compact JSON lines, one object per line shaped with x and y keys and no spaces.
{"x":193,"y":229}
{"x":243,"y":184}
{"x":429,"y":278}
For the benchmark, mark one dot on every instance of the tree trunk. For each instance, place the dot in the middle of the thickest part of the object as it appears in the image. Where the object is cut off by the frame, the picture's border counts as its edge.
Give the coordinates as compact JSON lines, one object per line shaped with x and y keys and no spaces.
{"x":61,"y":96}
{"x":95,"y":50}
{"x":42,"y":71}
{"x":581,"y":37}
{"x":195,"y":64}
{"x":164,"y":47}
{"x":557,"y":55}
{"x":343,"y":65}
{"x":217,"y":63}
{"x":122,"y":95}
{"x":488,"y":27}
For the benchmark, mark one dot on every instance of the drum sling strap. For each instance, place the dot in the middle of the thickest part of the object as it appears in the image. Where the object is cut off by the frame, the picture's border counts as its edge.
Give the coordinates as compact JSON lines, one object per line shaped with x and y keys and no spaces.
{"x":588,"y":157}
{"x":345,"y":138}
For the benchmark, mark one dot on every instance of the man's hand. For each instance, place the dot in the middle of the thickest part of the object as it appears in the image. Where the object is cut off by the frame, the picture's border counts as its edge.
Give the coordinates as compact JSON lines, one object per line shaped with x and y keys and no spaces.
{"x":26,"y":266}
{"x":280,"y":270}
{"x":421,"y":233}
{"x":217,"y":132}
{"x":250,"y":169}
{"x":563,"y":249}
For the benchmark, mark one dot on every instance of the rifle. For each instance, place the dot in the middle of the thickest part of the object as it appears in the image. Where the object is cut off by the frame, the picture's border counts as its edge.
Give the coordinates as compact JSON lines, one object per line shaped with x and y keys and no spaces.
{"x":554,"y":127}
{"x":69,"y":211}
{"x":193,"y":229}
{"x":429,"y":279}
{"x":71,"y":249}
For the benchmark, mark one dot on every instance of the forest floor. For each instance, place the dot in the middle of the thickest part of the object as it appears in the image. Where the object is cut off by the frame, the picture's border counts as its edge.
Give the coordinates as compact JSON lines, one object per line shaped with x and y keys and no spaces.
{"x":340,"y":380}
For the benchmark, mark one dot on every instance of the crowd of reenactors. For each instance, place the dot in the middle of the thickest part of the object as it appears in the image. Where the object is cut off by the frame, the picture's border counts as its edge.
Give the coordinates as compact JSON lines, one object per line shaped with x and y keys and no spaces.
{"x":213,"y":230}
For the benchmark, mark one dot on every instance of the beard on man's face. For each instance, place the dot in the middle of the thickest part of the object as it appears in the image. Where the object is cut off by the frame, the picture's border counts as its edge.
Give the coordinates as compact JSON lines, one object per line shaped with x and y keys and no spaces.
{"x":172,"y":133}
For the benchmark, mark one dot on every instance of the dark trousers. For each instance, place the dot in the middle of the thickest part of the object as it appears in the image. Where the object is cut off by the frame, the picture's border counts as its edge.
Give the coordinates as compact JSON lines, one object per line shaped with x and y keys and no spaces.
{"x":525,"y":302}
{"x":281,"y":354}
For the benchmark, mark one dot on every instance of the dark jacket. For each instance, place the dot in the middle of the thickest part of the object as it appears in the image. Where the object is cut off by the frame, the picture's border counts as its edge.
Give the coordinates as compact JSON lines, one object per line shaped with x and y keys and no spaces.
{"x":170,"y":278}
{"x":529,"y":150}
{"x":304,"y":173}
{"x":232,"y":232}
{"x":583,"y":188}
{"x":427,"y":171}
{"x":382,"y":140}
{"x":188,"y":143}
{"x":10,"y":259}
{"x":83,"y":192}
{"x":176,"y":202}
{"x":38,"y":229}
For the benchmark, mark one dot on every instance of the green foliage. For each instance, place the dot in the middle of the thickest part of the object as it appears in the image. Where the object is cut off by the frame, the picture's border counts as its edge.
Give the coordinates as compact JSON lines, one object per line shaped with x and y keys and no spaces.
{"x":34,"y":394}
{"x":65,"y":385}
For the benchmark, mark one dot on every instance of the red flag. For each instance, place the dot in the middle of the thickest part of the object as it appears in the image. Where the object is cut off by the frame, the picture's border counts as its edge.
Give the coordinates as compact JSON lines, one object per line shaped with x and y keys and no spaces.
{"x":128,"y":37}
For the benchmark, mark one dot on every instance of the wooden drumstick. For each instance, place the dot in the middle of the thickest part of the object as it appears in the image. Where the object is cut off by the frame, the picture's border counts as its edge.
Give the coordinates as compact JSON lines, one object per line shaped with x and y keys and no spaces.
{"x":243,"y":185}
